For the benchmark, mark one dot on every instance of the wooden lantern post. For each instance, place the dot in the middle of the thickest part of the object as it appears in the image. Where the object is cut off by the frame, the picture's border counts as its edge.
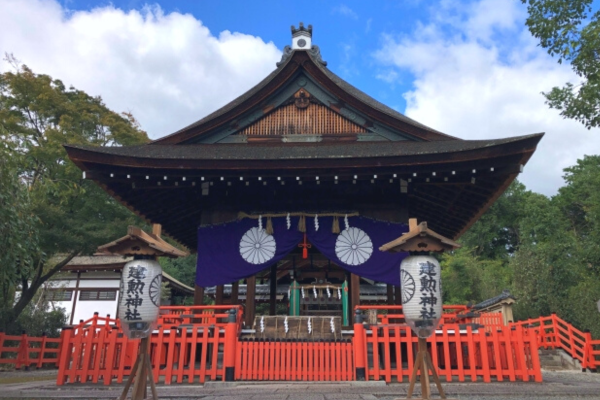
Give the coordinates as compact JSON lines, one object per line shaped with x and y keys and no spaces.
{"x":420,"y":240}
{"x":141,"y":245}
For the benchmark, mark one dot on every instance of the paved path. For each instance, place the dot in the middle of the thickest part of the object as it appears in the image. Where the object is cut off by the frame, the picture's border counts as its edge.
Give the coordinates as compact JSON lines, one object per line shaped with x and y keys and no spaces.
{"x":556,"y":385}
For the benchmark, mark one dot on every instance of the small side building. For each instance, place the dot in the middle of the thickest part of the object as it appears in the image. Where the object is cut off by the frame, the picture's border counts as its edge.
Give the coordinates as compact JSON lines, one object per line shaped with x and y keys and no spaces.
{"x":499,"y":304}
{"x":90,"y":284}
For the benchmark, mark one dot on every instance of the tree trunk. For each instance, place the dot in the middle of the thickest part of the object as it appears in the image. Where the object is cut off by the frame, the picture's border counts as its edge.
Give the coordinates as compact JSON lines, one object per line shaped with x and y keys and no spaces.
{"x":8,"y":316}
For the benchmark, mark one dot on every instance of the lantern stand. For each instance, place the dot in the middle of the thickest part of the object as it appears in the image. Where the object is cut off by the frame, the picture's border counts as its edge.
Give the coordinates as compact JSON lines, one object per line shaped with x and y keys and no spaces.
{"x":142,"y":246}
{"x":420,"y":241}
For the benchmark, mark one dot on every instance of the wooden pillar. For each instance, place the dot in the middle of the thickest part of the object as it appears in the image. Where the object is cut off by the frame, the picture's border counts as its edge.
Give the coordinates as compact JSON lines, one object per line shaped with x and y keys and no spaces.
{"x":398,"y":297}
{"x":235,"y":290}
{"x":198,"y":295}
{"x":250,"y":300}
{"x":219,"y":295}
{"x":273,"y":290}
{"x":390,"y":295}
{"x":354,"y":291}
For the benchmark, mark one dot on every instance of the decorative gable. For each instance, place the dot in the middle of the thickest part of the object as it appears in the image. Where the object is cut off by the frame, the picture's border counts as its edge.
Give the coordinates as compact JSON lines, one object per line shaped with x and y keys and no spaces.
{"x":302,"y":116}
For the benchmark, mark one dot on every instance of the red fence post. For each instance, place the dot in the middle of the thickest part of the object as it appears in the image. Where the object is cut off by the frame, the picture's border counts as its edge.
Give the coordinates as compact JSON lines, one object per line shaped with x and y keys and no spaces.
{"x":230,"y":345}
{"x":587,"y":351}
{"x":41,"y":352}
{"x":23,"y":355}
{"x":63,"y":355}
{"x":359,"y":347}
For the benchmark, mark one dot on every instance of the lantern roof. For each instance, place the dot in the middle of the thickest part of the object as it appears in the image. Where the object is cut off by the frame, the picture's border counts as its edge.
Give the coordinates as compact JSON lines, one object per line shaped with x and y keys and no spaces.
{"x":420,"y":238}
{"x":140,"y":243}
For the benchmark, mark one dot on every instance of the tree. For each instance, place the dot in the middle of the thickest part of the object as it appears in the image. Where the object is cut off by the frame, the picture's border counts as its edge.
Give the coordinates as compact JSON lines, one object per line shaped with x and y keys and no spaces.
{"x":570,"y":30}
{"x":63,"y":214}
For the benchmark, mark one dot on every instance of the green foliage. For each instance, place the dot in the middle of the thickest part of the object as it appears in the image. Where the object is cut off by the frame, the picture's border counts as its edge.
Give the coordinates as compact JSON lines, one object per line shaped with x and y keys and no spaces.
{"x":62,"y":214}
{"x":570,"y":30}
{"x":545,"y":250}
{"x":39,"y":317}
{"x":183,"y":269}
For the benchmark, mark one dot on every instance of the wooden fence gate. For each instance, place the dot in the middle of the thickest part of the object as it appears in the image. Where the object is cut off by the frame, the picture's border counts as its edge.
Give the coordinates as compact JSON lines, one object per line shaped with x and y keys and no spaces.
{"x":287,"y":360}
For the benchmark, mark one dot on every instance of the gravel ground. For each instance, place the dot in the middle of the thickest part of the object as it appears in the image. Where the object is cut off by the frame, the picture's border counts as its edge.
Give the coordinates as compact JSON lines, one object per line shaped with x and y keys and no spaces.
{"x":557,"y":385}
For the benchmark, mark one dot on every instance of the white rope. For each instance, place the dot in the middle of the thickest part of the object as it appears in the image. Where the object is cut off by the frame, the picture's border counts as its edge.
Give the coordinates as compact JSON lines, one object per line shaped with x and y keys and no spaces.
{"x":262,"y":324}
{"x":316,"y":222}
{"x":288,"y":221}
{"x":285,"y":324}
{"x":332,"y":323}
{"x":309,"y":326}
{"x":260,"y":223}
{"x":346,"y":222}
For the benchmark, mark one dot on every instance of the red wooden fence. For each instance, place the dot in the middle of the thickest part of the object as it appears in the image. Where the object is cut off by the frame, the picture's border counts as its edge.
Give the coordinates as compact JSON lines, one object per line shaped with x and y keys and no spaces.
{"x":97,"y":350}
{"x":277,"y":360}
{"x":26,"y":351}
{"x":389,"y":351}
{"x":195,"y":344}
{"x":553,"y":332}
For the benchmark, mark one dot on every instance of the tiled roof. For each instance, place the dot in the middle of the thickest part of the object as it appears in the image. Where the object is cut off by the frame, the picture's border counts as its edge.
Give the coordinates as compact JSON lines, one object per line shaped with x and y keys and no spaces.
{"x":283,"y":151}
{"x":494,"y":300}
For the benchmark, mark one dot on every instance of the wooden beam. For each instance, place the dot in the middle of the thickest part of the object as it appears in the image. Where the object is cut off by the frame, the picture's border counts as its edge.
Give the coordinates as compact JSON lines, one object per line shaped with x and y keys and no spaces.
{"x":250,"y":301}
{"x":398,"y":295}
{"x":354,"y":291}
{"x":390,"y":295}
{"x":156,"y":229}
{"x":198,"y":295}
{"x":235,"y":289}
{"x":219,"y":295}
{"x":273,"y":290}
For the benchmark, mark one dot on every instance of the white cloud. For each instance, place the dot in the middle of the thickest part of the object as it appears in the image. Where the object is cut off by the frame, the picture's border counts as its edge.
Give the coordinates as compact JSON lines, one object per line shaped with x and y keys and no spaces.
{"x":480,"y":76}
{"x":346,"y":11}
{"x":168,"y":69}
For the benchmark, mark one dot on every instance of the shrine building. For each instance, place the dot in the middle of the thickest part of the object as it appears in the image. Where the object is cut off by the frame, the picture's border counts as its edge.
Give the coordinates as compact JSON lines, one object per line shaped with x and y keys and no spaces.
{"x":298,"y":182}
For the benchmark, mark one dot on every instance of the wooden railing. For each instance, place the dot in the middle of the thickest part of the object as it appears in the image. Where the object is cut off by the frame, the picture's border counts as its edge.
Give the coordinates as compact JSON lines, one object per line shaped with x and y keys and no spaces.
{"x":97,"y":350}
{"x":388,"y":353}
{"x":286,"y":360}
{"x":25,"y":351}
{"x":195,"y":344}
{"x":203,"y":315}
{"x":554,"y":332}
{"x":453,"y":314}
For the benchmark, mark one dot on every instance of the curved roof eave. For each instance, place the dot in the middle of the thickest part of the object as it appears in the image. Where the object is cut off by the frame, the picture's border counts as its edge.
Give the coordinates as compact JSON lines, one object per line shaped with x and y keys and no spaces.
{"x":300,"y":60}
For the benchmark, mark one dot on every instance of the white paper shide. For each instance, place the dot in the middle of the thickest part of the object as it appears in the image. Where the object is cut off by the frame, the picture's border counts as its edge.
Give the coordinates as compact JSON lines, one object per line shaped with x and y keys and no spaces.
{"x":140,"y":297}
{"x":421,"y":293}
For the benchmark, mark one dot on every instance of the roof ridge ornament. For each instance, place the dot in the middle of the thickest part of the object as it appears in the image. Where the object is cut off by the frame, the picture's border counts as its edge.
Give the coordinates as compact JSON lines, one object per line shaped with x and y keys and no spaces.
{"x":302,"y":40}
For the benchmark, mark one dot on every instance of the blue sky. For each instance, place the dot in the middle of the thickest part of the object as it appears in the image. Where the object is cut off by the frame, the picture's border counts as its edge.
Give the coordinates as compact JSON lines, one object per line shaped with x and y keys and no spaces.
{"x":467,"y":68}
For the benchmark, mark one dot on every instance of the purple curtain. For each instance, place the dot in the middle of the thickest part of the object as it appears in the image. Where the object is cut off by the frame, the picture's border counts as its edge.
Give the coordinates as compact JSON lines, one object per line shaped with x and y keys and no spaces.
{"x":236,"y":250}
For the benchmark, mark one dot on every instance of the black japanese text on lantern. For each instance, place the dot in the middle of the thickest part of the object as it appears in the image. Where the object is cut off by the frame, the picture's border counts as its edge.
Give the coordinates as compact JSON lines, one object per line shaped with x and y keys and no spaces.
{"x":135,"y":289}
{"x":428,"y":299}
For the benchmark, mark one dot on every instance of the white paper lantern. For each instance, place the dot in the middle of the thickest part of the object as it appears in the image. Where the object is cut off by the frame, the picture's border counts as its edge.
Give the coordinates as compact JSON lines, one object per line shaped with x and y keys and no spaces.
{"x":420,"y":277}
{"x":140,"y":297}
